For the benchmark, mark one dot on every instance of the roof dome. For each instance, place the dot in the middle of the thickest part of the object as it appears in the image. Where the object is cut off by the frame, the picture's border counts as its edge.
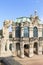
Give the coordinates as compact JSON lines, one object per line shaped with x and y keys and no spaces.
{"x":22,"y":19}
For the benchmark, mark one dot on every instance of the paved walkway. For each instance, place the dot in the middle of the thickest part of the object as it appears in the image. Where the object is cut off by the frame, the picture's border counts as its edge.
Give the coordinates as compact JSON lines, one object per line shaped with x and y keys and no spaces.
{"x":35,"y":60}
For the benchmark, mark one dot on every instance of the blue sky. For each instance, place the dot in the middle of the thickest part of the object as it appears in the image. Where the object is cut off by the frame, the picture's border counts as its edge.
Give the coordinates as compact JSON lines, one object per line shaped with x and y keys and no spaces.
{"x":11,"y":9}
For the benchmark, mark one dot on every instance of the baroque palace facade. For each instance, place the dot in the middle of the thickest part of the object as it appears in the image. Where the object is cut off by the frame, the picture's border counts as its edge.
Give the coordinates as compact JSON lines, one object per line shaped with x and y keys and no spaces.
{"x":26,"y":39}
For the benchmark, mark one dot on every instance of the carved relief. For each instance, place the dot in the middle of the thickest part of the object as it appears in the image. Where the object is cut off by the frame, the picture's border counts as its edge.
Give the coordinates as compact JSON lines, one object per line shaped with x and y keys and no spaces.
{"x":7,"y":23}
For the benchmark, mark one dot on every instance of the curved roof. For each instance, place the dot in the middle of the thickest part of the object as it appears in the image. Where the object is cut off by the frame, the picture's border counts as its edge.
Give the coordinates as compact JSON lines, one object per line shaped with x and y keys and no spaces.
{"x":22,"y":19}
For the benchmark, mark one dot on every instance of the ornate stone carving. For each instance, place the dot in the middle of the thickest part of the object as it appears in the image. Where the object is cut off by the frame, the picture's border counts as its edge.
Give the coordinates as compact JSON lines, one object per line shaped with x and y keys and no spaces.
{"x":7,"y":23}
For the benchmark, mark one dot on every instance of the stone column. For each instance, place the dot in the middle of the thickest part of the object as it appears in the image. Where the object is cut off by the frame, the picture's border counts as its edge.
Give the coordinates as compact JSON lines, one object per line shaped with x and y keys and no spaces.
{"x":14,"y":49}
{"x":31,"y":50}
{"x":8,"y":45}
{"x":31,"y":32}
{"x":2,"y":48}
{"x":5,"y":32}
{"x":8,"y":52}
{"x":21,"y":50}
{"x":22,"y":32}
{"x":40,"y":49}
{"x":13,"y":31}
{"x":40,"y":32}
{"x":3,"y":42}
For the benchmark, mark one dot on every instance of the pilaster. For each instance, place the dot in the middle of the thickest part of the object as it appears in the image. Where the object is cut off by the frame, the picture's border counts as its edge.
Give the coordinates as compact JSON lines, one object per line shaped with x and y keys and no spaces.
{"x":22,"y":32}
{"x":13,"y":31}
{"x":40,"y":49}
{"x":31,"y":32}
{"x":31,"y":50}
{"x":21,"y":50}
{"x":14,"y":49}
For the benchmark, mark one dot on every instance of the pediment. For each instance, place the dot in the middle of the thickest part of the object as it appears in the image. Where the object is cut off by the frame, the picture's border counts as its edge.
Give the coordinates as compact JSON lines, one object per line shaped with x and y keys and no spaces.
{"x":26,"y":23}
{"x":35,"y":21}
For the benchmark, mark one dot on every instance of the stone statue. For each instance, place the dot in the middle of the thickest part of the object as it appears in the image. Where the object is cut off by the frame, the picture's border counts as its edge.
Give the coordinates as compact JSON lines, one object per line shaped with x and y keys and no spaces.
{"x":7,"y":23}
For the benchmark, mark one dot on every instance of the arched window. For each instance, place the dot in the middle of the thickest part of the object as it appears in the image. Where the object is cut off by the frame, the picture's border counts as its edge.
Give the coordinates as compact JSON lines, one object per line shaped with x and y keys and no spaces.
{"x":26,"y":31}
{"x":35,"y":32}
{"x":18,"y":31}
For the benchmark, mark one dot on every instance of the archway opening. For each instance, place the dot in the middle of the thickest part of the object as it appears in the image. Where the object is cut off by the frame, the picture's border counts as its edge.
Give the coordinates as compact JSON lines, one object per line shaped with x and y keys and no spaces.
{"x":35,"y":47}
{"x":18,"y":49}
{"x":26,"y":50}
{"x":10,"y":47}
{"x":10,"y":31}
{"x":6,"y":47}
{"x":42,"y":49}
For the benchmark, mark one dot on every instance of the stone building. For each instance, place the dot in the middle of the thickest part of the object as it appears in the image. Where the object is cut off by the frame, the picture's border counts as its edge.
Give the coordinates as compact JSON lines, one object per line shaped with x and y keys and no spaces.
{"x":26,"y":38}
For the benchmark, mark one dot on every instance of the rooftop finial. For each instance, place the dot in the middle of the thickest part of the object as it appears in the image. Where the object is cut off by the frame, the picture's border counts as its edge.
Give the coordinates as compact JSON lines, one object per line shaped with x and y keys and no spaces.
{"x":31,"y":17}
{"x":35,"y":13}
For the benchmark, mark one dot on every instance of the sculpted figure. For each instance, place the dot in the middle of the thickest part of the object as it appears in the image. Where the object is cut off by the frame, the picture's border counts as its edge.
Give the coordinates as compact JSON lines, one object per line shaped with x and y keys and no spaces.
{"x":7,"y":23}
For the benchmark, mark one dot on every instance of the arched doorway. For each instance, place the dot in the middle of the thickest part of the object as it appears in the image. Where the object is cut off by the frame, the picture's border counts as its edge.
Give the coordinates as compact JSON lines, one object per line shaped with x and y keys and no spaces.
{"x":6,"y":47}
{"x":10,"y":47}
{"x":18,"y":49}
{"x":26,"y":50}
{"x":35,"y":47}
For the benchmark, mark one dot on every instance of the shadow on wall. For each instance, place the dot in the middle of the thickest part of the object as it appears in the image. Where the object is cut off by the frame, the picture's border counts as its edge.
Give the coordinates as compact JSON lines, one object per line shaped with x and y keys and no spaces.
{"x":26,"y":50}
{"x":35,"y":47}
